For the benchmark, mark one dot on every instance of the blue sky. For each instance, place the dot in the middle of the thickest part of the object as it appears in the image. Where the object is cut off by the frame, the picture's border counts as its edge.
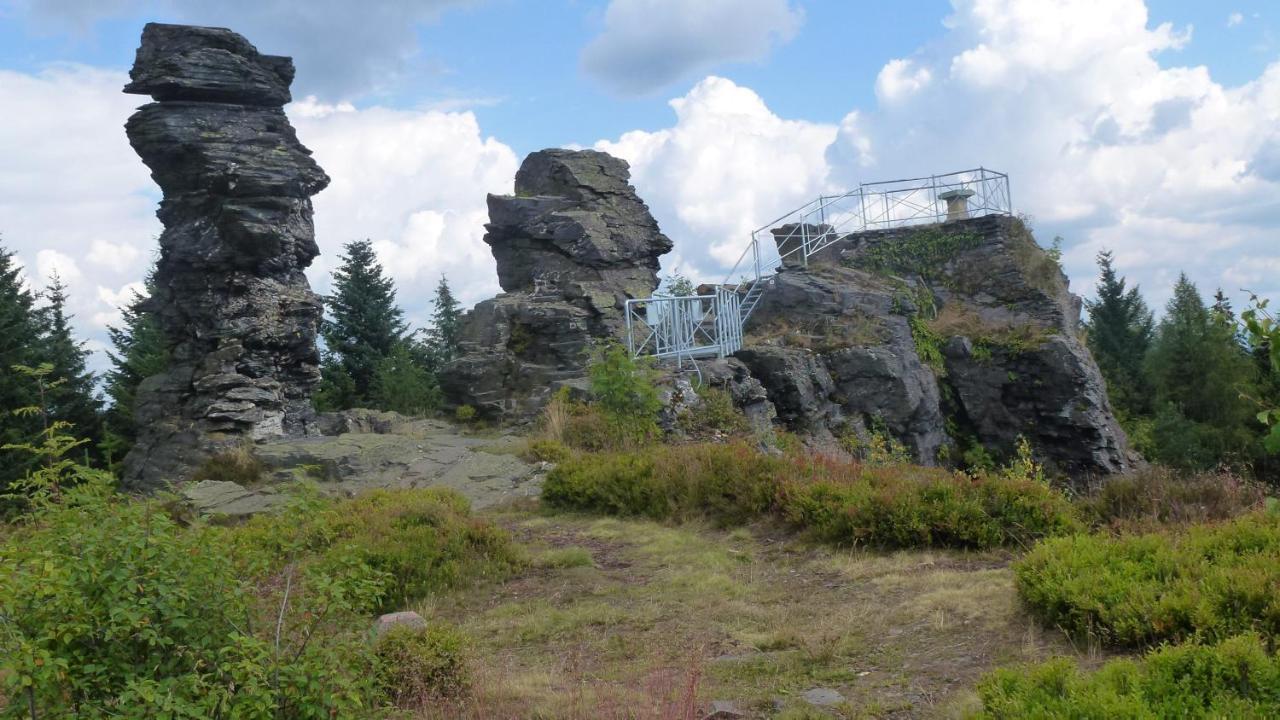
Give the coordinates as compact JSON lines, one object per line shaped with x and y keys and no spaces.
{"x":1147,"y":128}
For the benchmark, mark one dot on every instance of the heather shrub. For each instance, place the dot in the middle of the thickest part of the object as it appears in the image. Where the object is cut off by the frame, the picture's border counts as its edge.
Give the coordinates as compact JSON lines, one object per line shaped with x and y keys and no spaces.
{"x":419,"y":665}
{"x":1157,"y":496}
{"x":1207,"y":582}
{"x":730,"y":483}
{"x":837,"y":501}
{"x":913,"y":506}
{"x":1237,"y":678}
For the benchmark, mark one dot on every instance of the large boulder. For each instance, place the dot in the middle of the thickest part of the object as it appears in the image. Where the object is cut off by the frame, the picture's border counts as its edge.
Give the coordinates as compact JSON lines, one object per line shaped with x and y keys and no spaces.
{"x":970,"y":338}
{"x":231,"y":296}
{"x":572,"y":246}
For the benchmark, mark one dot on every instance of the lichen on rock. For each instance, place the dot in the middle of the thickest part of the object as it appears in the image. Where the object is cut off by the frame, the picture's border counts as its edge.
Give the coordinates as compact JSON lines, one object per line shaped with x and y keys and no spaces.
{"x":238,"y":314}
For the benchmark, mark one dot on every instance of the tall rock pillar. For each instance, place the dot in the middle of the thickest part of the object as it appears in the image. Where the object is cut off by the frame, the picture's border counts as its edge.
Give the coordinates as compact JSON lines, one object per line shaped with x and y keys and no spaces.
{"x":231,"y":296}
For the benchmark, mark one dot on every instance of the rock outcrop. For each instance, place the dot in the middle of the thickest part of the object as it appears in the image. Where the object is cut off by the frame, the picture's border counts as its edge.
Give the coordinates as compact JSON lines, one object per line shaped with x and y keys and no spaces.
{"x":948,"y":337}
{"x":572,"y":245}
{"x":231,"y":296}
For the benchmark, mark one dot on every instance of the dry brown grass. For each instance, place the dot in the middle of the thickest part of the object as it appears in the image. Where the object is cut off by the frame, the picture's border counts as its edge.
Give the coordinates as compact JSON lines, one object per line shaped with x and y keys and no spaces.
{"x":955,"y":319}
{"x":664,"y":619}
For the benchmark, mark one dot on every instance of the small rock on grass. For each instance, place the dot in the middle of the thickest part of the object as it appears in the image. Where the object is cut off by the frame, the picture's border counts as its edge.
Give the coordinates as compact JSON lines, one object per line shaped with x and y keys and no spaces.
{"x":407,"y":618}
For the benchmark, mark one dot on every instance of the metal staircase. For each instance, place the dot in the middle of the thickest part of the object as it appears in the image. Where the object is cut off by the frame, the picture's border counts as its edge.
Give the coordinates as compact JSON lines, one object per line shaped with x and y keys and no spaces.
{"x":700,"y":326}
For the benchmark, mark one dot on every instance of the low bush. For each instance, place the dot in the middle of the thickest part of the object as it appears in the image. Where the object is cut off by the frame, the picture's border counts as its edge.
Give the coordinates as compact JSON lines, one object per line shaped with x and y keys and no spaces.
{"x":729,"y":483}
{"x":838,"y":501}
{"x":1156,"y":496}
{"x":1207,"y":582}
{"x":714,"y":413}
{"x":111,"y":609}
{"x":913,"y":506}
{"x":1237,"y":678}
{"x":422,"y":540}
{"x":419,"y":665}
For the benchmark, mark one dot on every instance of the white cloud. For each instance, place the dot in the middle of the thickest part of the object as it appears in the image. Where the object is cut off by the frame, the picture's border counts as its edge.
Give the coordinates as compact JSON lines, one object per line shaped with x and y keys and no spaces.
{"x":647,"y":44}
{"x":726,"y":166}
{"x":1234,"y":19}
{"x":73,"y":195}
{"x":75,"y":198}
{"x":414,"y":182}
{"x":900,"y":79}
{"x":51,"y":264}
{"x":1106,"y":140}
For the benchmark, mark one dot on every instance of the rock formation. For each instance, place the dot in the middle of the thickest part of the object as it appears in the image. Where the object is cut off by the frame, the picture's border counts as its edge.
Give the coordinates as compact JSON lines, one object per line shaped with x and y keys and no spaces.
{"x":231,"y":296}
{"x":572,"y":245}
{"x":948,"y":337}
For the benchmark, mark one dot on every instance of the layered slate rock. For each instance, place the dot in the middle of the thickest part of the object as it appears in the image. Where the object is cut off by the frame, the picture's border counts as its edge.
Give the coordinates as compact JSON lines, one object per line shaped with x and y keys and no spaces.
{"x":572,"y":245}
{"x":976,"y":344}
{"x":238,"y":314}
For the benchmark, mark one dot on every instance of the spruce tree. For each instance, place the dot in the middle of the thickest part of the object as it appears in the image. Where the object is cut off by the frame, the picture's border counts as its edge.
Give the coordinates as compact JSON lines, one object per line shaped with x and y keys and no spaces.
{"x":1120,"y":333}
{"x":20,"y":344}
{"x":364,"y":323}
{"x":139,"y":351}
{"x":72,"y":397}
{"x":446,"y":321}
{"x":1201,"y":377}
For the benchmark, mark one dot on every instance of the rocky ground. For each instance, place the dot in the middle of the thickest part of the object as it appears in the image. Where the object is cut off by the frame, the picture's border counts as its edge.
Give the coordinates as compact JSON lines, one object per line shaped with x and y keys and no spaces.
{"x":369,"y":449}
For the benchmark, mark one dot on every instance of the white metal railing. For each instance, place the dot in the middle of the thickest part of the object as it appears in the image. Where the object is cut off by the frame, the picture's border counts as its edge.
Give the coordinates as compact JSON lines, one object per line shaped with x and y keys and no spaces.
{"x":685,"y":327}
{"x":701,"y":325}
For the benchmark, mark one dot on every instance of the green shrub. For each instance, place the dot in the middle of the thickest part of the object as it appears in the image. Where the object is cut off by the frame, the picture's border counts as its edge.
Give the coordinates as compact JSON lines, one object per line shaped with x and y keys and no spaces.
{"x":1237,"y":678}
{"x":838,"y":501}
{"x":420,"y":665}
{"x":730,"y":483}
{"x":464,"y":413}
{"x":111,"y":609}
{"x":1208,"y":582}
{"x":421,"y":540}
{"x":715,"y":412}
{"x":544,"y":450}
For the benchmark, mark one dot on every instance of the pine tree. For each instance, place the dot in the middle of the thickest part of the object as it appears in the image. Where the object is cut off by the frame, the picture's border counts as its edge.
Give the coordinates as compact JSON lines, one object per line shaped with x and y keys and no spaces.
{"x":446,"y":321}
{"x":72,"y":398}
{"x":365,"y":324}
{"x":20,"y":344}
{"x":1201,"y":376}
{"x":140,"y":351}
{"x":1120,"y":333}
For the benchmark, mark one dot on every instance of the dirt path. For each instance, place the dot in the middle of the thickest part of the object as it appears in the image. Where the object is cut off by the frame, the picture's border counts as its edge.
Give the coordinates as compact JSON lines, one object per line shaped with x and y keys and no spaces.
{"x":624,"y":618}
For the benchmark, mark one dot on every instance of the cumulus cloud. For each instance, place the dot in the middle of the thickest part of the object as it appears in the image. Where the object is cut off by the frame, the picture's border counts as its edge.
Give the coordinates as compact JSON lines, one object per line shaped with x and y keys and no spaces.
{"x":1106,"y":139}
{"x":414,"y":182}
{"x":76,"y":200}
{"x":900,"y":79}
{"x":647,"y":44}
{"x":341,"y":49}
{"x":727,"y":165}
{"x":1234,"y":19}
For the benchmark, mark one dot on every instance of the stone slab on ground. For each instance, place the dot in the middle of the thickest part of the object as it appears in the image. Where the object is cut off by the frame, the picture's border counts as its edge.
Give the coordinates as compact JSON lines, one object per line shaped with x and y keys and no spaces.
{"x":400,"y":453}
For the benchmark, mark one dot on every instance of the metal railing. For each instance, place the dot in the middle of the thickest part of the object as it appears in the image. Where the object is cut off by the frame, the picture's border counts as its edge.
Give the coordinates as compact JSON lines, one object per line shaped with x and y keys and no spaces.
{"x":685,"y":327}
{"x":701,"y":325}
